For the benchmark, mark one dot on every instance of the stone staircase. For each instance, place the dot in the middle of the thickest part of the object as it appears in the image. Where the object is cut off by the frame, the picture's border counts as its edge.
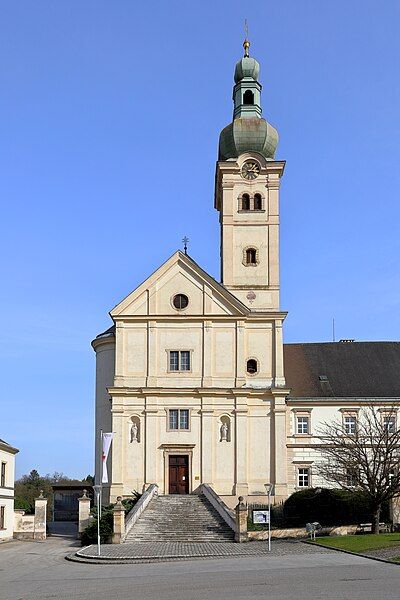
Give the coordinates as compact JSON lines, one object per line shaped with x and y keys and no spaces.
{"x":180,"y":518}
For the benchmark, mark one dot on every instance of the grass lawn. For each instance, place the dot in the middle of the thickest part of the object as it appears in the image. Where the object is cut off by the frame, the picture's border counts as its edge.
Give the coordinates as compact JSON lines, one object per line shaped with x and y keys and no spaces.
{"x":361,"y":543}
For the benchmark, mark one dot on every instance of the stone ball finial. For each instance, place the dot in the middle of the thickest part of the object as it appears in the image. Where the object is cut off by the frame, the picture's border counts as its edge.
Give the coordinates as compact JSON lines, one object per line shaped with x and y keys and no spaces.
{"x":241,"y":498}
{"x":119,"y":498}
{"x":41,"y":494}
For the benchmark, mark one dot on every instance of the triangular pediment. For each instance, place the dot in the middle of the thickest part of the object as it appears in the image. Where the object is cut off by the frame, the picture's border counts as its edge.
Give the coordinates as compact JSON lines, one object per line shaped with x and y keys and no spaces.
{"x":179,"y":275}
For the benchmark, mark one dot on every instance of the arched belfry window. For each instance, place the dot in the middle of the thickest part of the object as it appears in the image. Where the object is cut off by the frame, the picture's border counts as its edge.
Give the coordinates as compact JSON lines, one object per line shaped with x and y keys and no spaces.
{"x":252,"y":366}
{"x":245,"y":202}
{"x":257,"y":202}
{"x":248,"y":97}
{"x":251,"y":256}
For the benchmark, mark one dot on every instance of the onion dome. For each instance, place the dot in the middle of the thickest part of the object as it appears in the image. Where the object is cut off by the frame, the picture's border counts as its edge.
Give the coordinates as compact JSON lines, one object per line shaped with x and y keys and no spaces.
{"x":248,"y":130}
{"x":247,"y":68}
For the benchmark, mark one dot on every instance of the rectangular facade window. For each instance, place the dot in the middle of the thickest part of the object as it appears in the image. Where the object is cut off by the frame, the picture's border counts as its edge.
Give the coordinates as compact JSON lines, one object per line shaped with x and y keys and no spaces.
{"x":178,"y":418}
{"x":303,"y":478}
{"x":350,"y":424}
{"x":3,"y":475}
{"x":2,"y":517}
{"x":179,"y":360}
{"x":389,"y":424}
{"x":351,"y":477}
{"x":303,"y":425}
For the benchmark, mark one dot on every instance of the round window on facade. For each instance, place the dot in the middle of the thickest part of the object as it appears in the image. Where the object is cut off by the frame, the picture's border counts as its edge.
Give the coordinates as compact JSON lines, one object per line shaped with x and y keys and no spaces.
{"x":180,"y":301}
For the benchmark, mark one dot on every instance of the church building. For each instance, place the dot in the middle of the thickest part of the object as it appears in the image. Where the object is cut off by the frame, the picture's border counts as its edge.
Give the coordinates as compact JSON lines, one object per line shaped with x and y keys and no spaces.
{"x":191,"y":376}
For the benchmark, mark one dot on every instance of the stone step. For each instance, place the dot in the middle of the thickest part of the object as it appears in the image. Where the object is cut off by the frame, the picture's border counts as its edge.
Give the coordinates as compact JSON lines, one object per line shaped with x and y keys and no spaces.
{"x":188,"y":518}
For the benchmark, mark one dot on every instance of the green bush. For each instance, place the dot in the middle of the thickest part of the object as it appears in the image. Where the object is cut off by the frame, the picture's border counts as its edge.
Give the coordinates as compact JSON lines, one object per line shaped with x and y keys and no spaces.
{"x":328,"y":507}
{"x":89,"y":534}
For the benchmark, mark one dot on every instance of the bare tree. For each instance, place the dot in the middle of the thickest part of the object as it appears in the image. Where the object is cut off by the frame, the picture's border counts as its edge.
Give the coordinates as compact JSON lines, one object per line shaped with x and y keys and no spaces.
{"x":362,"y":452}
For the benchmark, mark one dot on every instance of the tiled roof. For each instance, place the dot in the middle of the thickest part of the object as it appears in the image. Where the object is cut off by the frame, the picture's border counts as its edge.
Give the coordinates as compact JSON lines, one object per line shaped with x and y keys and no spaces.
{"x":343,"y":369}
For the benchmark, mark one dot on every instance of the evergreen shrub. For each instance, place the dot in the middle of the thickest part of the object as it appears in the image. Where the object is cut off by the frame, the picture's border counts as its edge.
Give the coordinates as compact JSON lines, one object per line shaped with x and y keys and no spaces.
{"x":89,"y":534}
{"x":329,"y":507}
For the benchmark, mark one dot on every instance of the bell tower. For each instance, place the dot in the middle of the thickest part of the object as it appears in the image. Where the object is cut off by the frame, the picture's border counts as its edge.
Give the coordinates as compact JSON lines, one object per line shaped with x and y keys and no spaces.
{"x":247,"y":195}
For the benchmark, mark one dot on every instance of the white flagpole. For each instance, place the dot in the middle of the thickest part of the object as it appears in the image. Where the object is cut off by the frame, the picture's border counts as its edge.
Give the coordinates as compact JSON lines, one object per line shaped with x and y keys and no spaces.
{"x":97,"y":490}
{"x":101,"y":476}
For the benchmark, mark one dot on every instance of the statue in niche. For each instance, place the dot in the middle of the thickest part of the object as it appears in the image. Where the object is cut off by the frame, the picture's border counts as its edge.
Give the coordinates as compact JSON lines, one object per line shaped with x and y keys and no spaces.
{"x":224,"y":432}
{"x":134,"y":432}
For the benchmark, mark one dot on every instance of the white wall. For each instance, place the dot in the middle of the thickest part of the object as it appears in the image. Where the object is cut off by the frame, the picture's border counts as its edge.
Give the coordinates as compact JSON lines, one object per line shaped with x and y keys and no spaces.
{"x":7,"y":494}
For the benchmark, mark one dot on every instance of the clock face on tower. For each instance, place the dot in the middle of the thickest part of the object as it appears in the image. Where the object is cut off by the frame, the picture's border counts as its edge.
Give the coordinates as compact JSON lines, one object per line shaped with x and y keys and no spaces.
{"x":250,"y":170}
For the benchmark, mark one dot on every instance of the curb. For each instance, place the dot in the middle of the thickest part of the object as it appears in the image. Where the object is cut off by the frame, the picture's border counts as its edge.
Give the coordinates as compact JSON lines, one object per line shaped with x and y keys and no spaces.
{"x":377,"y":558}
{"x":137,"y":561}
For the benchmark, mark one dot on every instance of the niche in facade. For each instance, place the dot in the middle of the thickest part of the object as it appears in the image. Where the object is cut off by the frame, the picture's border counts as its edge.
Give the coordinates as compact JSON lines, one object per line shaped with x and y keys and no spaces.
{"x":225,"y":429}
{"x":135,"y":430}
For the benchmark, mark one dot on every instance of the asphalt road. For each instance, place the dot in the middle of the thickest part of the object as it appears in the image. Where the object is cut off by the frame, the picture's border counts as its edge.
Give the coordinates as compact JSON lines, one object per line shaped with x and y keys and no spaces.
{"x":33,"y":571}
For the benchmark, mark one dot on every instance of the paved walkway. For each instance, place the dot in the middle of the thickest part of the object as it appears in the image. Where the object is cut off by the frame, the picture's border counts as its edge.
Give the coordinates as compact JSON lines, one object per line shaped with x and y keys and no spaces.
{"x":39,"y":571}
{"x":146,"y":551}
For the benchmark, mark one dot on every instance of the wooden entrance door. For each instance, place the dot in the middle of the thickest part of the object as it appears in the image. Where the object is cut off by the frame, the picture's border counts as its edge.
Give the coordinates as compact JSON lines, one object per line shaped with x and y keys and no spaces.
{"x":179,"y":474}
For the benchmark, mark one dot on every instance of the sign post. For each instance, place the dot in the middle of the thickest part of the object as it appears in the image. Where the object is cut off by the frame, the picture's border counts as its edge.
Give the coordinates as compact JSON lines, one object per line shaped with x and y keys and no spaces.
{"x":269,"y":489}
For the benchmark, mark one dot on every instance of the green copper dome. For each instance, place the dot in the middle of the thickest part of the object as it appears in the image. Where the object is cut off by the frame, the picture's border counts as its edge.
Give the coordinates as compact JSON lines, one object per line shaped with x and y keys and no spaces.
{"x":247,"y":67}
{"x":248,"y":130}
{"x":246,"y":135}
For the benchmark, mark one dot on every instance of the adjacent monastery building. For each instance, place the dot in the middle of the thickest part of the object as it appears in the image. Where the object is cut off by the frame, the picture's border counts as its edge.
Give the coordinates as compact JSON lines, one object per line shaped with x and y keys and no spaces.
{"x":193,"y":378}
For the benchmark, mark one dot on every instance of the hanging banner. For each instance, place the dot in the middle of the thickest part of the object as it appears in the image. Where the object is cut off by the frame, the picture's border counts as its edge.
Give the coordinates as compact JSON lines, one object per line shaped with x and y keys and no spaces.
{"x":106,"y":443}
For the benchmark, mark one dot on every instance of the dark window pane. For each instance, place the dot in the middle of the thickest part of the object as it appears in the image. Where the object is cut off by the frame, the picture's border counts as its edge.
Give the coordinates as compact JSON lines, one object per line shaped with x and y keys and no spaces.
{"x":252,"y":366}
{"x":183,"y":419}
{"x":180,"y":301}
{"x":245,"y":202}
{"x":185,"y":361}
{"x":174,"y":360}
{"x":257,"y":202}
{"x":173,"y":419}
{"x":251,"y":256}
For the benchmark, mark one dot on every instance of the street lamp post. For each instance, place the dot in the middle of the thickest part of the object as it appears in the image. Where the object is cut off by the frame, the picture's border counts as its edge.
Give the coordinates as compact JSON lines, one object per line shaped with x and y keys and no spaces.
{"x":97,"y":489}
{"x":269,"y":489}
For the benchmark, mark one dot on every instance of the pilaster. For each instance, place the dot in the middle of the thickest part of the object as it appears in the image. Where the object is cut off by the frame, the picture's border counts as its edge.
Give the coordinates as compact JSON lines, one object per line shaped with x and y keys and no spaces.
{"x":116,"y":470}
{"x":241,"y":441}
{"x":207,"y":441}
{"x":207,"y":353}
{"x":278,"y":444}
{"x":150,"y":437}
{"x":240,"y":364}
{"x":151,"y":353}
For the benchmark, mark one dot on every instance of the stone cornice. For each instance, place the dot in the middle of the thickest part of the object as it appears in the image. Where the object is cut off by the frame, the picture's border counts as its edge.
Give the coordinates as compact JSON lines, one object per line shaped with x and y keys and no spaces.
{"x":174,"y":391}
{"x":103,"y":341}
{"x":7,"y":448}
{"x":251,"y":316}
{"x":335,"y":401}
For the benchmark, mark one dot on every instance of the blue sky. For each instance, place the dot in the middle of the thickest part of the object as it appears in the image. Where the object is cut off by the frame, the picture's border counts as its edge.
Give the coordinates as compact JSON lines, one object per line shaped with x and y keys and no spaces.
{"x":110,"y":115}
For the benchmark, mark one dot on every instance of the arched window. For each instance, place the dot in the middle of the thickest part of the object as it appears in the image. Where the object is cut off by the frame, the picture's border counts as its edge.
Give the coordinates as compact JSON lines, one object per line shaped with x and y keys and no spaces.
{"x":245,"y":202}
{"x":252,"y":366}
{"x":257,"y":202}
{"x":248,"y":97}
{"x":251,"y":256}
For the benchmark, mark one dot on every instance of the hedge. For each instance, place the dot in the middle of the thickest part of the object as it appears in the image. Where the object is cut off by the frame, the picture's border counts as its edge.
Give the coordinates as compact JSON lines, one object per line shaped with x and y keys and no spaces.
{"x":329,"y":507}
{"x":89,"y":534}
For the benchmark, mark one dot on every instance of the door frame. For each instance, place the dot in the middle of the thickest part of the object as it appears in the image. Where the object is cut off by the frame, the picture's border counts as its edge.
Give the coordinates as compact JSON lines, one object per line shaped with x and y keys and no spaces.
{"x":184,"y":449}
{"x":186,"y":481}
